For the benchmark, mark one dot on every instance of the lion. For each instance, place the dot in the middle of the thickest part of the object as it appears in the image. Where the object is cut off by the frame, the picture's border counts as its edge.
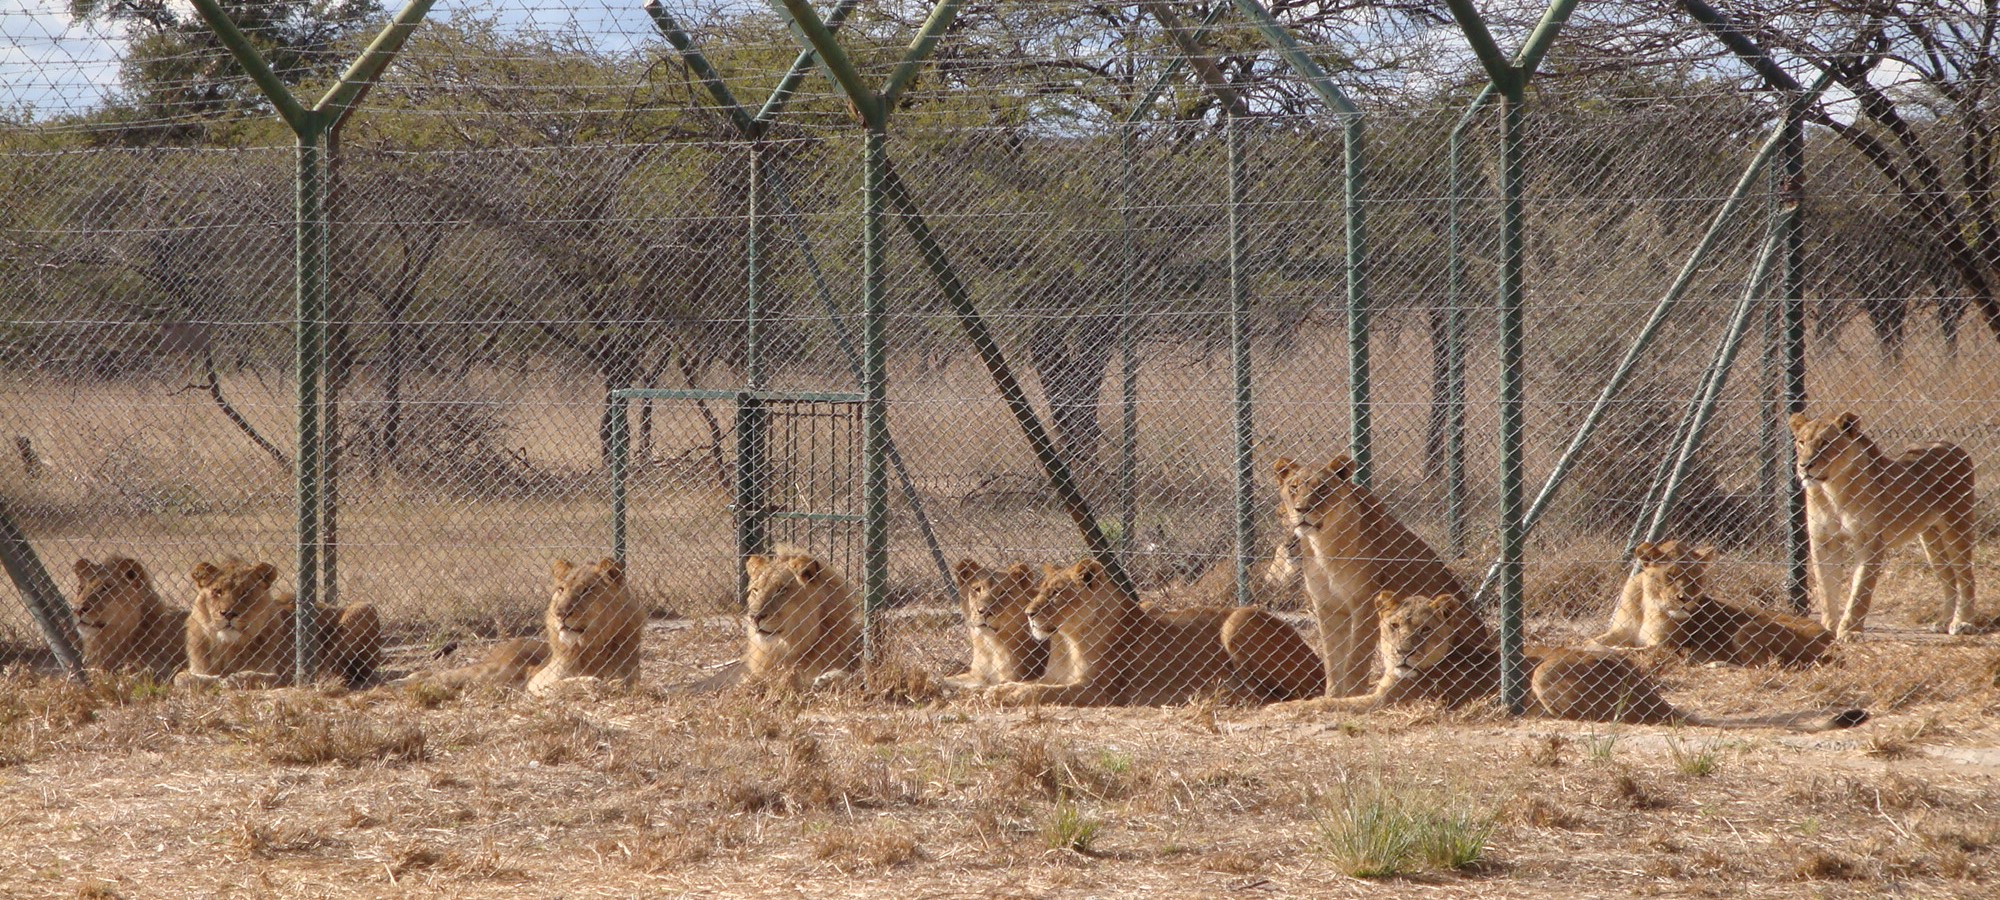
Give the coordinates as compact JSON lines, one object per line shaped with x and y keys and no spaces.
{"x":241,"y":635}
{"x":593,"y":630}
{"x":1435,"y":649}
{"x":1353,"y":549}
{"x":1861,"y":503}
{"x":1674,"y":579}
{"x":1120,"y":653}
{"x":802,"y":621}
{"x":124,"y":623}
{"x":1004,"y":648}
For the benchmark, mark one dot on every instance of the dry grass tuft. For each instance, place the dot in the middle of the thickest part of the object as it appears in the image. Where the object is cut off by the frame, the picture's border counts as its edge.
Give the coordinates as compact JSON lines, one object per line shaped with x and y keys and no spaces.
{"x":351,"y":742}
{"x":1546,"y":753}
{"x":849,"y":849}
{"x":94,"y":889}
{"x":1897,"y":743}
{"x":1824,"y":865}
{"x":272,"y":841}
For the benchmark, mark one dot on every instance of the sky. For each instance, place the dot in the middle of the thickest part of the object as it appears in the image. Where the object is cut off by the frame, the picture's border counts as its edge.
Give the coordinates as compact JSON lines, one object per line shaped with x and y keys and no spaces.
{"x":54,"y":65}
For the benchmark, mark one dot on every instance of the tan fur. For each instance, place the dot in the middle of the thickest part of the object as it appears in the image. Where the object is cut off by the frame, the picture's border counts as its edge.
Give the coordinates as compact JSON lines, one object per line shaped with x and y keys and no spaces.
{"x":240,"y":634}
{"x":1435,"y":649}
{"x":1119,"y":653}
{"x":1634,"y":621}
{"x":1353,"y":549}
{"x":594,"y":628}
{"x":509,"y":663}
{"x":1861,"y":503}
{"x":1696,"y":625}
{"x":124,"y":623}
{"x":802,"y":621}
{"x":996,"y":625}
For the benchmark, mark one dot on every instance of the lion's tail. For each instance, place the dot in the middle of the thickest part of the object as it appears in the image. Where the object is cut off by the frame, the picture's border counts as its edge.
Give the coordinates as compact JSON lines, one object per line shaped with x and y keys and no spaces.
{"x":1798,"y":721}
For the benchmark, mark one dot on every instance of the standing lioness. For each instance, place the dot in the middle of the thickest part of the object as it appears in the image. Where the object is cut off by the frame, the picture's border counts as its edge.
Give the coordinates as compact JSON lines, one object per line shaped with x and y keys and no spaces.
{"x":1861,"y":503}
{"x":237,"y":630}
{"x":1355,"y":549}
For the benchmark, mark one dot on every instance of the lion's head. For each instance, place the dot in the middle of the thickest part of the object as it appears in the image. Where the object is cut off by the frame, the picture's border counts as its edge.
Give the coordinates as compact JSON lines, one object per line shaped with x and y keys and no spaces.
{"x":1822,"y":443}
{"x":790,"y":596}
{"x":113,"y":596}
{"x":1311,"y":499}
{"x":1066,"y":595}
{"x":232,"y":601}
{"x":585,"y":601}
{"x":996,"y":603}
{"x":1423,"y":633}
{"x":1676,"y":576}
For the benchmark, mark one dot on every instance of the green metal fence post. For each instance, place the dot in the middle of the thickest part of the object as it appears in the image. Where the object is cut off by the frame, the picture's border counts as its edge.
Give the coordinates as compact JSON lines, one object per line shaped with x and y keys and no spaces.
{"x":874,"y":382}
{"x":621,"y":454}
{"x":1791,"y":194}
{"x":1454,"y":329}
{"x":751,"y":508}
{"x":1239,"y":362}
{"x":1128,"y":349}
{"x":44,"y":600}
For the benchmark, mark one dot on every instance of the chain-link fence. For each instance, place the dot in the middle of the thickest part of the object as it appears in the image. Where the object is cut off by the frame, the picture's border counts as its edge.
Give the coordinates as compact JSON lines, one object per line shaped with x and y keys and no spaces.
{"x":1012,"y":283}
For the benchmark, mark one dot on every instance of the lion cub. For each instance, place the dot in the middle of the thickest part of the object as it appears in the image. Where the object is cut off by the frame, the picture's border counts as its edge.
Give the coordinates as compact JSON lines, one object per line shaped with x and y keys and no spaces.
{"x":124,"y":623}
{"x":1121,"y":653}
{"x":241,"y":635}
{"x":593,"y":626}
{"x":1696,"y":625}
{"x":1004,"y":647}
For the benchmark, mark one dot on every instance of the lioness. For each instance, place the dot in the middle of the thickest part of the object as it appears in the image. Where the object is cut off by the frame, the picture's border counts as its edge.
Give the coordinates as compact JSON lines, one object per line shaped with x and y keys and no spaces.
{"x":593,"y":626}
{"x":1121,"y":653}
{"x":124,"y":623}
{"x":1004,"y":648}
{"x":1354,"y":549}
{"x":802,"y":621}
{"x":1433,"y":648}
{"x":1674,"y":579}
{"x":240,"y":634}
{"x":1861,"y":503}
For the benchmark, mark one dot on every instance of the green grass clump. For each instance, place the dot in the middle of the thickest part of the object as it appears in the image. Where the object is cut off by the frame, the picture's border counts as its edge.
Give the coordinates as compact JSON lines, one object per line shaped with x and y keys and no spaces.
{"x":1381,"y":831}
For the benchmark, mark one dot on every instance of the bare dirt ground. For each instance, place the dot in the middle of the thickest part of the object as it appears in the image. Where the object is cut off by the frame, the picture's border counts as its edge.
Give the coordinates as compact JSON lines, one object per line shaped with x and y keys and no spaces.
{"x":132,"y":790}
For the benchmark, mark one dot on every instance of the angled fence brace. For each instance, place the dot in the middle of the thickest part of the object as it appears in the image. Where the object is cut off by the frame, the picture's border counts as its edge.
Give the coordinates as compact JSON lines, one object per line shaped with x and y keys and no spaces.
{"x":311,"y":127}
{"x":881,"y":183}
{"x":39,"y":593}
{"x":1511,"y":77}
{"x":753,"y":128}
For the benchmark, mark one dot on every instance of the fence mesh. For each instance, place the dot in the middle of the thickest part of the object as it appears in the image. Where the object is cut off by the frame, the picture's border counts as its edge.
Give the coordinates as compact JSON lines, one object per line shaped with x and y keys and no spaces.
{"x":534,"y":209}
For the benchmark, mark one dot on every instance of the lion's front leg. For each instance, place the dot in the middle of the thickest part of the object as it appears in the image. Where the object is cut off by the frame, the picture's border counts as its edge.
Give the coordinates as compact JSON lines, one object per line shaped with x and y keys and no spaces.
{"x":1829,"y":551}
{"x":1347,"y":646}
{"x":1628,"y":619}
{"x":1078,"y":693}
{"x":1861,"y":594}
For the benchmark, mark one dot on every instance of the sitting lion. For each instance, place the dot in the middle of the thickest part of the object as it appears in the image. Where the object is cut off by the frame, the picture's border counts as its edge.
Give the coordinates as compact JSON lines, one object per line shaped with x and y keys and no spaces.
{"x":802,"y":621}
{"x":1674,"y":579}
{"x":124,"y":623}
{"x":238,"y":633}
{"x":1004,"y":648}
{"x":1121,"y":653}
{"x":594,"y":629}
{"x":1433,"y":648}
{"x":1352,"y":547}
{"x":1862,"y":503}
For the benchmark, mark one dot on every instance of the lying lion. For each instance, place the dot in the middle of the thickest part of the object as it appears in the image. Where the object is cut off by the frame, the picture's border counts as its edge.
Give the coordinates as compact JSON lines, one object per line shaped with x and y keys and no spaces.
{"x":1433,"y":648}
{"x":1004,"y":647}
{"x":1703,"y":629}
{"x":1120,"y":653}
{"x":593,"y":628}
{"x":239,"y":635}
{"x":124,"y":623}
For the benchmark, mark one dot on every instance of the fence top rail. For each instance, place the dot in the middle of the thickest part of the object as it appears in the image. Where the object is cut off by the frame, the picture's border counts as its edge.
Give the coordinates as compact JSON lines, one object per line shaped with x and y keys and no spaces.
{"x":622,"y":394}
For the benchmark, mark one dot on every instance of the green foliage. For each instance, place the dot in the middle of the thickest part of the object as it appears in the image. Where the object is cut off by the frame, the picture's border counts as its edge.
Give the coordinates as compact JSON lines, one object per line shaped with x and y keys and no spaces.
{"x":1378,"y":830}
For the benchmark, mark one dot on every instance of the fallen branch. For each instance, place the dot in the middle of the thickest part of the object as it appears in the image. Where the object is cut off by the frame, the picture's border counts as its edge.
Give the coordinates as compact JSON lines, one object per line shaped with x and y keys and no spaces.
{"x":213,"y":385}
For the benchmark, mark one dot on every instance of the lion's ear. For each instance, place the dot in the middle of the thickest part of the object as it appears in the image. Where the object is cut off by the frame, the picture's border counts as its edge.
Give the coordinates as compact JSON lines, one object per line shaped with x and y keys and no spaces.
{"x":965,"y":571}
{"x":204,"y":574}
{"x":129,"y":570}
{"x":1021,"y":571}
{"x":1799,"y":422}
{"x":1705,"y":553}
{"x":1284,"y":467}
{"x":1444,"y":599}
{"x":84,"y":567}
{"x":1341,"y":467}
{"x":612,"y":570}
{"x":1088,"y":570}
{"x":1387,"y":601}
{"x":265,"y":573}
{"x":755,"y":563}
{"x":560,"y":569}
{"x":1646,"y":552}
{"x":1847,"y":422}
{"x":806,"y":568}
